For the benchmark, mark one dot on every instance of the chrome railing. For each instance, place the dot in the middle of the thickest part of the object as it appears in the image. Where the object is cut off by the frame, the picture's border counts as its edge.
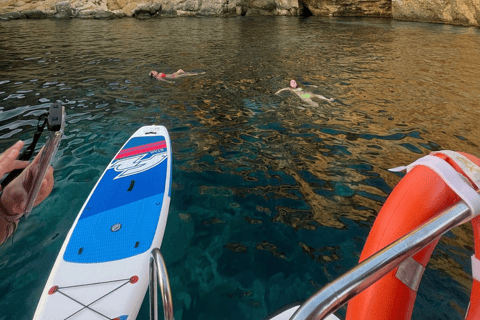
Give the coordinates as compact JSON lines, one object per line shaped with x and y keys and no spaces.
{"x":158,"y":274}
{"x":336,"y":294}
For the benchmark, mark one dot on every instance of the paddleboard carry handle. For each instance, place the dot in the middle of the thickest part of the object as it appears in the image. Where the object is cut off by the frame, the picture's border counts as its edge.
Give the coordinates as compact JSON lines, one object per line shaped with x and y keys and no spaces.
{"x":55,"y":124}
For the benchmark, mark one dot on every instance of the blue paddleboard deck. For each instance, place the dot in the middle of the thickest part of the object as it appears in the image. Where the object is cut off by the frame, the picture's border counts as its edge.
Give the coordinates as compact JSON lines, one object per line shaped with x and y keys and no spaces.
{"x":120,"y":218}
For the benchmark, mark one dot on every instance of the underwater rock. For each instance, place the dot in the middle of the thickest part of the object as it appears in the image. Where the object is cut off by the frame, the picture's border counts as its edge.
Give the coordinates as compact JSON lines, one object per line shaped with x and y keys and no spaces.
{"x":213,"y":221}
{"x":266,"y":246}
{"x":253,"y":221}
{"x":237,"y":247}
{"x":185,"y":217}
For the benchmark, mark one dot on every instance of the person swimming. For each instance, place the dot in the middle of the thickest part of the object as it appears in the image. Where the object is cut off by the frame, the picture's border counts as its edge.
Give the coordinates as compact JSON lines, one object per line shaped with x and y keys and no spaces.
{"x":164,"y":76}
{"x":305,"y":96}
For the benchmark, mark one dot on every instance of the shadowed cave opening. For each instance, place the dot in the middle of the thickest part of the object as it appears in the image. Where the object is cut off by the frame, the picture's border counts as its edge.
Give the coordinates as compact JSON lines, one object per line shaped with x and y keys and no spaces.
{"x":304,"y":11}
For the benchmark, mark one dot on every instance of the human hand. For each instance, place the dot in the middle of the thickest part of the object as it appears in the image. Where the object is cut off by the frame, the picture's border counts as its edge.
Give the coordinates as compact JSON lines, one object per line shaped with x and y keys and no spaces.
{"x":8,"y":159}
{"x":15,"y":195}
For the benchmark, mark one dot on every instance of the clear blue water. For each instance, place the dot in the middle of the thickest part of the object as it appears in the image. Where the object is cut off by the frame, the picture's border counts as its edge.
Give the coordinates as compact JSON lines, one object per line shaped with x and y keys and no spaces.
{"x":272,"y":198}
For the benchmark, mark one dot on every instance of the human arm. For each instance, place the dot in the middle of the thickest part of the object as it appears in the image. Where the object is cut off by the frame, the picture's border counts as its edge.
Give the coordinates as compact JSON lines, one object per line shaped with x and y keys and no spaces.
{"x":282,"y":90}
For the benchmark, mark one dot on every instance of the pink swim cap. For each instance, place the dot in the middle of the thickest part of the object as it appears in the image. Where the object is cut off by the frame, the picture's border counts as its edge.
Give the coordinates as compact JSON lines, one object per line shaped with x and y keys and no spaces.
{"x":293,"y":84}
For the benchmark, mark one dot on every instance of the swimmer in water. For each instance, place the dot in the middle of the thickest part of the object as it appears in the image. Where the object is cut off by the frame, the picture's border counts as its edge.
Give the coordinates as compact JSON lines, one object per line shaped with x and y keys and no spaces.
{"x":180,"y":73}
{"x":305,"y":96}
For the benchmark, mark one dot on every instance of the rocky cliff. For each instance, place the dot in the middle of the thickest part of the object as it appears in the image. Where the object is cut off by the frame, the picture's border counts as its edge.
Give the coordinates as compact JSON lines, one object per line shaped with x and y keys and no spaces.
{"x":463,"y":12}
{"x":108,"y":9}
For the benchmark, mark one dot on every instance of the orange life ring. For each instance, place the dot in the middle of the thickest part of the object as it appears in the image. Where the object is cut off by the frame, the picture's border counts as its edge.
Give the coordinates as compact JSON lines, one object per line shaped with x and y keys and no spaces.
{"x":420,"y":195}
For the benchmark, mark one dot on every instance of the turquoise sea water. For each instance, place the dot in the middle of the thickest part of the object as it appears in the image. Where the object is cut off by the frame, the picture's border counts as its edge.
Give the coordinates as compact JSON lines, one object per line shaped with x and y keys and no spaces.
{"x":272,"y":198}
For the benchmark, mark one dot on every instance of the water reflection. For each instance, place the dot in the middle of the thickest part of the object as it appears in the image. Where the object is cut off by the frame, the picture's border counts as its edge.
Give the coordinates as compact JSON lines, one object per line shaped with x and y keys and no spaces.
{"x":273,"y":198}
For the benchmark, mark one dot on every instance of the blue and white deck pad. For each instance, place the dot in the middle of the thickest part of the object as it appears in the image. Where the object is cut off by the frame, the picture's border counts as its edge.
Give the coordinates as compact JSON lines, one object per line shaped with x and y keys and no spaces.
{"x":121,"y":217}
{"x":101,"y":271}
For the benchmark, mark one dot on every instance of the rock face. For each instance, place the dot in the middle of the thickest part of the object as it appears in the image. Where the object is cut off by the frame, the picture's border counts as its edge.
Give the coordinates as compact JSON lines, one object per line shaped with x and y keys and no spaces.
{"x":350,"y":8}
{"x":464,"y":12}
{"x":108,"y":9}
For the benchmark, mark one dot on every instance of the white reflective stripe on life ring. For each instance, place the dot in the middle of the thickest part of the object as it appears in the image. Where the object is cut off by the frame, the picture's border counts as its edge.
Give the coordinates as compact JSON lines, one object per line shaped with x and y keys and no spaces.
{"x":452,"y":178}
{"x":475,"y":268}
{"x":470,"y":169}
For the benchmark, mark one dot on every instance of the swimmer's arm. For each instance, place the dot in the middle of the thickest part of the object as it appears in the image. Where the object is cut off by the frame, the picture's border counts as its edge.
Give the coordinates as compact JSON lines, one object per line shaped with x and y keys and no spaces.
{"x":282,"y":90}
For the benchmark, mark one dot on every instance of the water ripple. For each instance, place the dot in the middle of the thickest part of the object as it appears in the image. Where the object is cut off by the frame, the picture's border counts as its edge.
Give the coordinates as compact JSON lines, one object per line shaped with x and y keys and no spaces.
{"x":272,"y":197}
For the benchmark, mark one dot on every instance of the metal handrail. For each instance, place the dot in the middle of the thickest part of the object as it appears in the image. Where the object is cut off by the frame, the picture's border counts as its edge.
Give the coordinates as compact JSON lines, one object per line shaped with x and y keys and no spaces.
{"x":159,"y":270}
{"x":336,"y":294}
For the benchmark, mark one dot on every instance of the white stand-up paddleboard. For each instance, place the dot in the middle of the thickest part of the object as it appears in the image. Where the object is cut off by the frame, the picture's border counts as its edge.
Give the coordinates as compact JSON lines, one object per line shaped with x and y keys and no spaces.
{"x":102,"y":270}
{"x":287,"y":314}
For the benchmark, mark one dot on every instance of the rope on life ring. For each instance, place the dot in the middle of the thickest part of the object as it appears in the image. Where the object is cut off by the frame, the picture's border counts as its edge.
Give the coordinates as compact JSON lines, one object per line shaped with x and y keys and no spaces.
{"x":432,"y":184}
